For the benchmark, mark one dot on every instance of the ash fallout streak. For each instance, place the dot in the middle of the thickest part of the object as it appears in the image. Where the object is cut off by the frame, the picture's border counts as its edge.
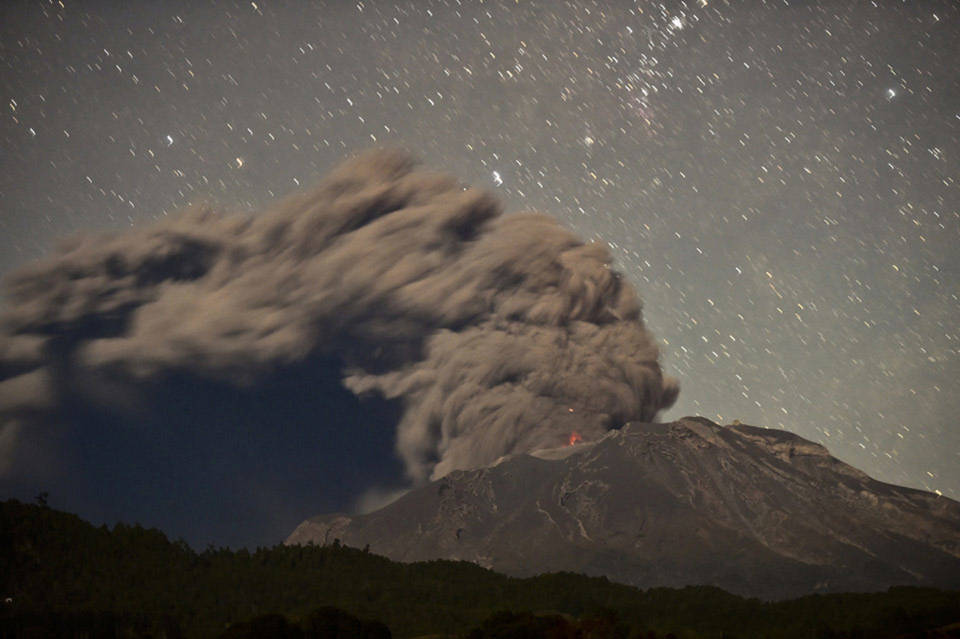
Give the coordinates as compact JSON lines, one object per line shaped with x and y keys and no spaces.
{"x":203,"y":362}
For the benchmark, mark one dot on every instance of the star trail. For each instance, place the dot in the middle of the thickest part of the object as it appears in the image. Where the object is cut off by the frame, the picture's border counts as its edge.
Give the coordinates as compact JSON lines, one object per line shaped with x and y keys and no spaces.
{"x":778,"y":179}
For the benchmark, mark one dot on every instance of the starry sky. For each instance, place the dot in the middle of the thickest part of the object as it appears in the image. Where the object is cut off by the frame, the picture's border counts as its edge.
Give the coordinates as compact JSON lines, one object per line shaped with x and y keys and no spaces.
{"x":779,"y":179}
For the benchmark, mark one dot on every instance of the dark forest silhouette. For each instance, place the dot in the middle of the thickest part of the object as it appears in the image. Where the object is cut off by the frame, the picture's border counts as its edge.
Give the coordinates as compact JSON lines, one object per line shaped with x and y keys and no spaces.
{"x":61,"y":576}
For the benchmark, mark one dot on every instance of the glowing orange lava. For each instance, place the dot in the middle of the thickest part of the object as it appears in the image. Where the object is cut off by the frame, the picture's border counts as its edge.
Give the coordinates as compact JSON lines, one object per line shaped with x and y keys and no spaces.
{"x":574,"y":438}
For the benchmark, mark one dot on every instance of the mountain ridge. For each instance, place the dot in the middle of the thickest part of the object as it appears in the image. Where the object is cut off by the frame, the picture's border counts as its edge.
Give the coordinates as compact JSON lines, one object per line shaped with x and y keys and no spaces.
{"x":758,"y":512}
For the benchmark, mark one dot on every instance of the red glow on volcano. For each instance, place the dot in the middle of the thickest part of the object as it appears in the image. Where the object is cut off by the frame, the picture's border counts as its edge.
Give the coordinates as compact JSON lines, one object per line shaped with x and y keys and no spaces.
{"x":574,"y":438}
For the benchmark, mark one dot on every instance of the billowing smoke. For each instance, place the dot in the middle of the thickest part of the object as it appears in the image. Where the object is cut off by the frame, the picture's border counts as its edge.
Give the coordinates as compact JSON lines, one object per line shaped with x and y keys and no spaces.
{"x":498,"y":334}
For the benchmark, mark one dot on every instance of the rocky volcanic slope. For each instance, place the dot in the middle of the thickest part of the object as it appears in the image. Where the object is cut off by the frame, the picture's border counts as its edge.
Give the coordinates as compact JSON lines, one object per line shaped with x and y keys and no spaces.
{"x":757,"y":512}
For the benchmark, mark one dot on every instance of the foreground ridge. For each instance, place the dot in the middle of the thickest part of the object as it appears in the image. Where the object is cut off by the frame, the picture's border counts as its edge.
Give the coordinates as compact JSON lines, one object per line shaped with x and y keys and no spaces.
{"x":59,"y":573}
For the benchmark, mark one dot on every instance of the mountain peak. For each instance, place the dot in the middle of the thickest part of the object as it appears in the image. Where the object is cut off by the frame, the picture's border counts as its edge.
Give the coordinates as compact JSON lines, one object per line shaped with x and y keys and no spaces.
{"x":755,"y":511}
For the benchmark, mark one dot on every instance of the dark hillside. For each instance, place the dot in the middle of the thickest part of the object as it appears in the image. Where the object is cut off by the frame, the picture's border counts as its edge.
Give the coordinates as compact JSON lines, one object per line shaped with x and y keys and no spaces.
{"x":55,"y":563}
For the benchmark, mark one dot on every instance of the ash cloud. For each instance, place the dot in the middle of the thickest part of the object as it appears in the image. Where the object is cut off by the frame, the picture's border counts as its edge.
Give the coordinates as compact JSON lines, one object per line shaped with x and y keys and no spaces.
{"x":497,"y":333}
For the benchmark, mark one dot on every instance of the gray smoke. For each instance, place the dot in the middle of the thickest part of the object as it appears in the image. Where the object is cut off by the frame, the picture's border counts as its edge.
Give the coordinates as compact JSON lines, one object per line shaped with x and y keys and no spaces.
{"x":499,"y":334}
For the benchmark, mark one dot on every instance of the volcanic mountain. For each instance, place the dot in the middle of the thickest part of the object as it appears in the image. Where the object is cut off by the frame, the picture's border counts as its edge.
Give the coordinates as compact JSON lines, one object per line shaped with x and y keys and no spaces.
{"x":758,"y":512}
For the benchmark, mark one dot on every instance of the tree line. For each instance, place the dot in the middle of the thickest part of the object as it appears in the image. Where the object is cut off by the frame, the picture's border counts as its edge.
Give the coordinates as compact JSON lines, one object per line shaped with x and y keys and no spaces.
{"x":61,"y":573}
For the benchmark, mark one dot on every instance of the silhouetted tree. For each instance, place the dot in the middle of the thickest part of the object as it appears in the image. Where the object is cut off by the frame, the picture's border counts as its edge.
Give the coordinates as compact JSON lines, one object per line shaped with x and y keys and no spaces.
{"x":263,"y":627}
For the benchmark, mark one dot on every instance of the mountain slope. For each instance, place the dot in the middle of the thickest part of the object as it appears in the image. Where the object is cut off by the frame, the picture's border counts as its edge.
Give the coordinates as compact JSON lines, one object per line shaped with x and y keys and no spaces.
{"x":754,"y":511}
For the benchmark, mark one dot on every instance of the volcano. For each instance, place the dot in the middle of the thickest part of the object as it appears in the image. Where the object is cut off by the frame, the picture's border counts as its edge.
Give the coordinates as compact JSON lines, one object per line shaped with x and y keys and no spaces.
{"x":758,"y":512}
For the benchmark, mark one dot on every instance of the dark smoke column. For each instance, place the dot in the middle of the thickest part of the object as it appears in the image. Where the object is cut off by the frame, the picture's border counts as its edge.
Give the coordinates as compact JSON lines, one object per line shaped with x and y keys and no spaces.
{"x":499,"y":334}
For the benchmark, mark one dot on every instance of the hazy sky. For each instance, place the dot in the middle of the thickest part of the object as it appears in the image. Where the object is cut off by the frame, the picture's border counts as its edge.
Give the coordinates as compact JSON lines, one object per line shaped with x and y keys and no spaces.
{"x":778,"y":179}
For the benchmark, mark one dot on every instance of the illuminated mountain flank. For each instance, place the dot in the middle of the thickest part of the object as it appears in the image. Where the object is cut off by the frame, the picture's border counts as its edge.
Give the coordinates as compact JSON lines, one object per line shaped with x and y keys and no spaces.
{"x":755,"y":511}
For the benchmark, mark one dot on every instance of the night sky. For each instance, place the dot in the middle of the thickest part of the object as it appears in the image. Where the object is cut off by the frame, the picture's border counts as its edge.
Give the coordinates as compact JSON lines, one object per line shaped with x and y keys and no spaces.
{"x":779,"y":179}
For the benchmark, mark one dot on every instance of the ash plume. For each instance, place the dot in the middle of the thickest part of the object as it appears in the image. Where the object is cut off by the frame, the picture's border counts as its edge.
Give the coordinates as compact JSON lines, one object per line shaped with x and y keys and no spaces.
{"x":498,"y":334}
